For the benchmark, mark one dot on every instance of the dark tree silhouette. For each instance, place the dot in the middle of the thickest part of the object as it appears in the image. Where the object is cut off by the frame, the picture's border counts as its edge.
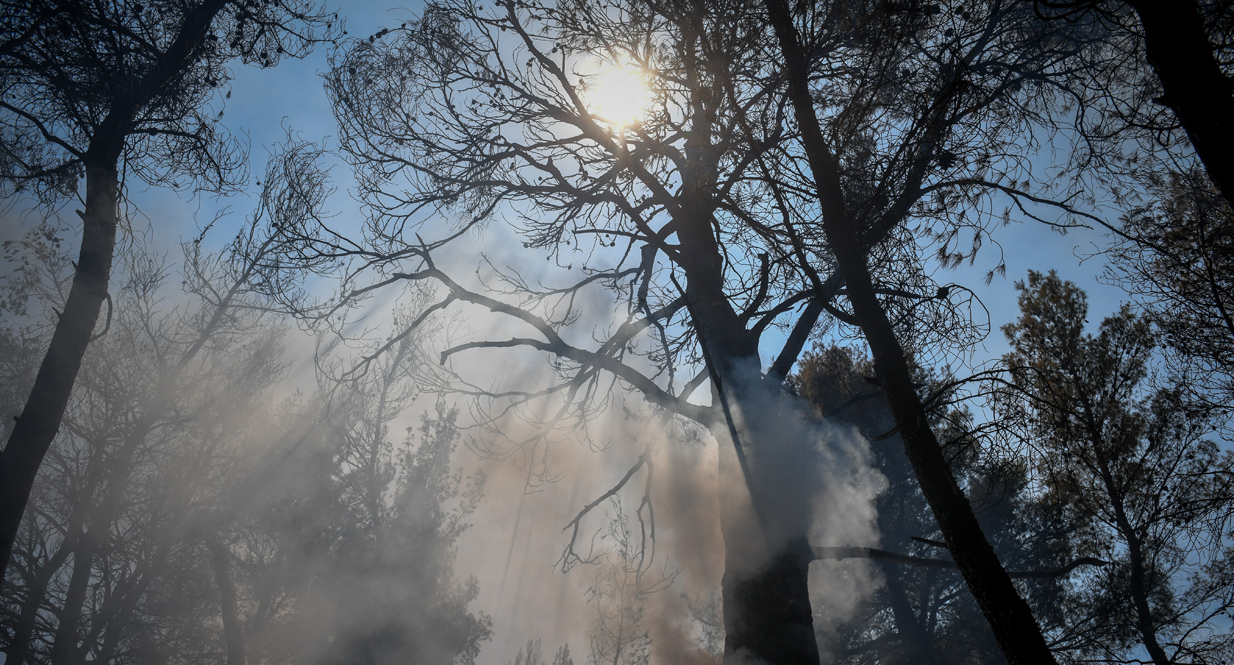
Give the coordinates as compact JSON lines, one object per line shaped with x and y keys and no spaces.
{"x":1177,"y":261}
{"x":1186,"y":45}
{"x":851,"y":238}
{"x":923,"y":612}
{"x":1130,"y":466}
{"x":106,"y":91}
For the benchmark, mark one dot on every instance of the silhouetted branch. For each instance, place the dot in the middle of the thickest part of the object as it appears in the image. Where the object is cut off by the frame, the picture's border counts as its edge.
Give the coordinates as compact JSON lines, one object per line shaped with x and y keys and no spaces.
{"x":840,"y":553}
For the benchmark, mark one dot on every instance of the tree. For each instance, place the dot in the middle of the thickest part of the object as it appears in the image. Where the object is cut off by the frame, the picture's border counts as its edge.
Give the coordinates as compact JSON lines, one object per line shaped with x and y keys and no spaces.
{"x":1178,"y":263}
{"x":701,"y":216}
{"x":1186,"y":45}
{"x":172,"y":482}
{"x":223,"y":510}
{"x":851,"y":236}
{"x":106,"y":90}
{"x":1128,"y":463}
{"x":1149,"y":100}
{"x":619,"y":633}
{"x":132,"y":465}
{"x":532,"y":655}
{"x":380,"y":588}
{"x":923,"y":613}
{"x":181,"y":353}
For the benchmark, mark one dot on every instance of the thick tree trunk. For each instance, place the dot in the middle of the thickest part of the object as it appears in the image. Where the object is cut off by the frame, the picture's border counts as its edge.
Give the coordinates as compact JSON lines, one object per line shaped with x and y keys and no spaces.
{"x":40,"y":419}
{"x":767,"y":612}
{"x":764,"y":500}
{"x":1195,"y":87}
{"x":1018,"y":635}
{"x":766,"y":597}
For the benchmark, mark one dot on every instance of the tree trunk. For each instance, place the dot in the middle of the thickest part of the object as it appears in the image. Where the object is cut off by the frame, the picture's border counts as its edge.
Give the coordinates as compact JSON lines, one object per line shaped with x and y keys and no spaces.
{"x":766,"y":595}
{"x":40,"y":419}
{"x":66,"y":648}
{"x":36,"y":591}
{"x":1018,"y":635}
{"x":916,"y":645}
{"x":1139,"y":596}
{"x":1138,"y":584}
{"x":1014,"y":627}
{"x":767,"y":612}
{"x":767,"y":617}
{"x":232,"y":632}
{"x":1201,"y":96}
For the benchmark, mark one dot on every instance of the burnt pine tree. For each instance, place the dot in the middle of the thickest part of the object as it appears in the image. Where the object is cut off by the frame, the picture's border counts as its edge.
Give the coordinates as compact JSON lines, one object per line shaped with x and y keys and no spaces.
{"x":853,"y":237}
{"x":699,"y":216}
{"x":106,"y":91}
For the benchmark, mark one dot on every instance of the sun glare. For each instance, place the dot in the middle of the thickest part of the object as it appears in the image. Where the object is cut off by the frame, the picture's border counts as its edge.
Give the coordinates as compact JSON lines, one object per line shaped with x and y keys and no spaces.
{"x":618,"y":94}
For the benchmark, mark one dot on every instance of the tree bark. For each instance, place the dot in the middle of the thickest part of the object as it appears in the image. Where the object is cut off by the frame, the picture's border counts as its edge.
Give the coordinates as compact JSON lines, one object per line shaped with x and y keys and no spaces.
{"x":1201,"y":96}
{"x":767,"y":612}
{"x":40,"y":419}
{"x":1014,"y":627}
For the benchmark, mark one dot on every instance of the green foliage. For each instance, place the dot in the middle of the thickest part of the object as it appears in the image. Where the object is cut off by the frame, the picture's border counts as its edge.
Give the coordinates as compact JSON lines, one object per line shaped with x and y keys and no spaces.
{"x":1120,"y":453}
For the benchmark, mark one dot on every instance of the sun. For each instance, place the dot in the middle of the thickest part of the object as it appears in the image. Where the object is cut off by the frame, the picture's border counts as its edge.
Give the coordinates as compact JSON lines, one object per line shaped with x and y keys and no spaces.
{"x":618,"y":94}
